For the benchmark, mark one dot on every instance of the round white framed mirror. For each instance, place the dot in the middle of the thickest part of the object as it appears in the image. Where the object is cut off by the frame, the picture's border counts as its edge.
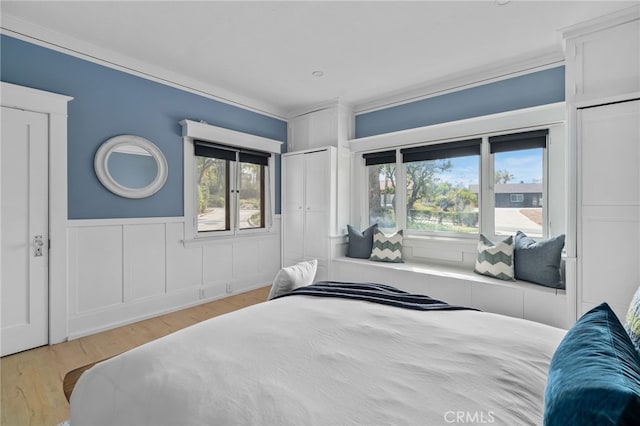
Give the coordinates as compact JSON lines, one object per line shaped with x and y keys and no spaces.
{"x":130,"y":166}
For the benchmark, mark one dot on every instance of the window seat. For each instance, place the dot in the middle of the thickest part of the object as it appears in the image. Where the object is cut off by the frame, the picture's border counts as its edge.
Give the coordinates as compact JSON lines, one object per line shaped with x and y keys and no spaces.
{"x":461,"y":286}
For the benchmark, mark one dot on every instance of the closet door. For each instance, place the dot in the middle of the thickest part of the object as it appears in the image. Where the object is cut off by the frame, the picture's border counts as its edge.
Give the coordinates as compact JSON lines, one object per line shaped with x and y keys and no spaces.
{"x":307,"y":211}
{"x":609,"y":205}
{"x":317,"y":210}
{"x":293,"y":209}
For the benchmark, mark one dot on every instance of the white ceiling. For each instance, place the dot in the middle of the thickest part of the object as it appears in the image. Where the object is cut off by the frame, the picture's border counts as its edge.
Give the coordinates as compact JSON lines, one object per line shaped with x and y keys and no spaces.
{"x":262,"y":53}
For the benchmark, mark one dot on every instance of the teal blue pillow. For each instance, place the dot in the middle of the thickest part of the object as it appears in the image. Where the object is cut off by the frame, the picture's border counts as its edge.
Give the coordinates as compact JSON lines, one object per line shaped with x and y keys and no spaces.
{"x":594,"y":375}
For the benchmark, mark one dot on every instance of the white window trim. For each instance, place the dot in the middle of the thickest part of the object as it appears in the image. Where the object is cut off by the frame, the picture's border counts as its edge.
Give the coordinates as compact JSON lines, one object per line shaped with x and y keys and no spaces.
{"x":547,"y":116}
{"x":192,"y":131}
{"x":512,"y":121}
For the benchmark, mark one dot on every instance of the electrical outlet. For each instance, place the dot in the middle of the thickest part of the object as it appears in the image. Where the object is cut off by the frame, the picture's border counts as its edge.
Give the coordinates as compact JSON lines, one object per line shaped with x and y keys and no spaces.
{"x":201,"y":293}
{"x":229,"y":289}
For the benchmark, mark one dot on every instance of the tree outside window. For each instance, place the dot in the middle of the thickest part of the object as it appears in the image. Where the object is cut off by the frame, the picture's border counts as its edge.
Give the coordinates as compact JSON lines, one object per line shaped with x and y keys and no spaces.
{"x":439,"y":197}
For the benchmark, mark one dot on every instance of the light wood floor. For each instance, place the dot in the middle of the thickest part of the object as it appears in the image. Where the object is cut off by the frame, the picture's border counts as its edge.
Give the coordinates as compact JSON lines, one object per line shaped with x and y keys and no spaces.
{"x":32,"y":380}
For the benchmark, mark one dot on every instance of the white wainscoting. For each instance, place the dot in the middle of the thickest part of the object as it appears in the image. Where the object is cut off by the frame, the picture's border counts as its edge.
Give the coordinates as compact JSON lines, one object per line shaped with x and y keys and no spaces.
{"x":126,"y":270}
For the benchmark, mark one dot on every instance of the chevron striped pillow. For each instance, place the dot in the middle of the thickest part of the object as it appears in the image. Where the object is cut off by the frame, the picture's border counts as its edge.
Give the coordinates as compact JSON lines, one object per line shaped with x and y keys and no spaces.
{"x":387,"y":248}
{"x":632,"y":324}
{"x":495,"y":260}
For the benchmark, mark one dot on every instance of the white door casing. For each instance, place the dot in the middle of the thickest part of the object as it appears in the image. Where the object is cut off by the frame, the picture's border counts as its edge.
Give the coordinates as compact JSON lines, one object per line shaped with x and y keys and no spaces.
{"x":24,"y":253}
{"x":54,"y":106}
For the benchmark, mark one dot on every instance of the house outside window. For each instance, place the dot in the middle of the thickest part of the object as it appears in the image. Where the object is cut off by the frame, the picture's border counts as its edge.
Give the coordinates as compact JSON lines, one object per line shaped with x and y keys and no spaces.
{"x":518,"y":161}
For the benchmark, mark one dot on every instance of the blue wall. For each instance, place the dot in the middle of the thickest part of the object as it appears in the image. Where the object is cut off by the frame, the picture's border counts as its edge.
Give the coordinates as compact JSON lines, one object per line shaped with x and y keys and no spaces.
{"x":108,"y":103}
{"x":529,"y":90}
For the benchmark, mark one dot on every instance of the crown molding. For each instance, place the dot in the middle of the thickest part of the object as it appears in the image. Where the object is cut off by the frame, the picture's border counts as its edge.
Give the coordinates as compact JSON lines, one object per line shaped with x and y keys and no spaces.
{"x":336,"y":102}
{"x":537,"y":61}
{"x":610,"y":20}
{"x":32,"y":33}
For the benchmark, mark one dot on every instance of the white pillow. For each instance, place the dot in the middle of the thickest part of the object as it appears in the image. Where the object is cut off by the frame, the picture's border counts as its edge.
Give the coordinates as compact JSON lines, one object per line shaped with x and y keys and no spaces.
{"x":292,"y":277}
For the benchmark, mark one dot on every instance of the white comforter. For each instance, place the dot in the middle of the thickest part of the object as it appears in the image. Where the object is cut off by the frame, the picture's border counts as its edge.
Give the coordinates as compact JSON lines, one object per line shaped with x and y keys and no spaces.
{"x":304,"y":360}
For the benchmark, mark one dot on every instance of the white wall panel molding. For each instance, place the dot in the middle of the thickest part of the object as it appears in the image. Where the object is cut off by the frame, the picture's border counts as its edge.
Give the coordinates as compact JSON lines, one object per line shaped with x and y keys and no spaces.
{"x":183,"y":265}
{"x":122,"y":270}
{"x":95,"y":269}
{"x":144,"y":261}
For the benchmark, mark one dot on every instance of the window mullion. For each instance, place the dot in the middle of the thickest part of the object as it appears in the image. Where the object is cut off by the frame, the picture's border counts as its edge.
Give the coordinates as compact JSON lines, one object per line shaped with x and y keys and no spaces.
{"x":546,"y":225}
{"x":401,"y":193}
{"x":363,"y":218}
{"x":486,"y":198}
{"x":268,"y":207}
{"x":233,"y":194}
{"x":191,"y":190}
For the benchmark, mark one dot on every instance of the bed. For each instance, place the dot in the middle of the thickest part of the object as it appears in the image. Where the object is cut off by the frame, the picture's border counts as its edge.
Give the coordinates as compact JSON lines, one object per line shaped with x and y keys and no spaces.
{"x":304,"y":359}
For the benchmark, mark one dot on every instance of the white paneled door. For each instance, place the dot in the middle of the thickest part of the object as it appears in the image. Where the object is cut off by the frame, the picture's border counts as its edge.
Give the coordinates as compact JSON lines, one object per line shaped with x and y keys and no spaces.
{"x":609,"y":231}
{"x":24,"y":230}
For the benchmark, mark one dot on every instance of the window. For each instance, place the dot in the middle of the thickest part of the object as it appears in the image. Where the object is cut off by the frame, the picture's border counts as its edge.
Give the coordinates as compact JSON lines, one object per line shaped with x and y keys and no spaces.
{"x":230,"y":188}
{"x":516,"y":198}
{"x":381,"y":178}
{"x":213,"y":191}
{"x":251,"y":196}
{"x":518,"y":164}
{"x":439,"y":179}
{"x":493,"y":184}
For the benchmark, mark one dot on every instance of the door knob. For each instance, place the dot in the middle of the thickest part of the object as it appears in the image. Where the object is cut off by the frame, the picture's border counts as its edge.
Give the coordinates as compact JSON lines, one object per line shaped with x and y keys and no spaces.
{"x":38,"y":243}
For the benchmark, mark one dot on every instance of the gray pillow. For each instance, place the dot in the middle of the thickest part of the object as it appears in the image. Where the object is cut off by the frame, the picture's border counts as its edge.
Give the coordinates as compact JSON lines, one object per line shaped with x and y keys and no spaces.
{"x":539,"y":262}
{"x":360,"y":243}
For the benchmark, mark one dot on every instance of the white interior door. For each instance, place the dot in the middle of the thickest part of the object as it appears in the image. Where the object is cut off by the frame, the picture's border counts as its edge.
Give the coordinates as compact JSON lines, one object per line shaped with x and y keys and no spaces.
{"x":24,"y":230}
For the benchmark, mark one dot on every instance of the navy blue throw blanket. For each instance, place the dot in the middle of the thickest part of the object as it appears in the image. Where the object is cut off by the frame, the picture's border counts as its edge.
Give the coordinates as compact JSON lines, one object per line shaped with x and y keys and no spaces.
{"x":376,"y":293}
